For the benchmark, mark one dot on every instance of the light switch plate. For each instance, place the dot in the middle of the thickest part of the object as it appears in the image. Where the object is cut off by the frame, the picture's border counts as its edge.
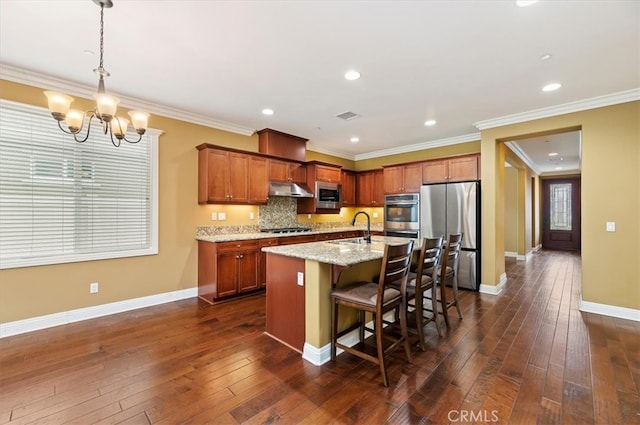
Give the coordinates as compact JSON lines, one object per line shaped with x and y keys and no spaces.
{"x":300,"y":279}
{"x":214,"y":216}
{"x":222,"y":216}
{"x":611,"y":226}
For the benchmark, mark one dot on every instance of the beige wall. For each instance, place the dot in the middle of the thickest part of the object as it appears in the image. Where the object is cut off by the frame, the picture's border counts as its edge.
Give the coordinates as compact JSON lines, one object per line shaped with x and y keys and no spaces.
{"x":610,"y":192}
{"x":511,"y":210}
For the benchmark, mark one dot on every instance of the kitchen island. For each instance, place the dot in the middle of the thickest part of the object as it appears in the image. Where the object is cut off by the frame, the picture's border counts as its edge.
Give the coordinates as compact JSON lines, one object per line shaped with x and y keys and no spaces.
{"x":299,"y":280}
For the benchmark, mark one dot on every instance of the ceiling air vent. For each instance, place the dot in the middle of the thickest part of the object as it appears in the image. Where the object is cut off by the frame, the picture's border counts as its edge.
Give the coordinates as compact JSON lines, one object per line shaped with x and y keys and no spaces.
{"x":348,"y":116}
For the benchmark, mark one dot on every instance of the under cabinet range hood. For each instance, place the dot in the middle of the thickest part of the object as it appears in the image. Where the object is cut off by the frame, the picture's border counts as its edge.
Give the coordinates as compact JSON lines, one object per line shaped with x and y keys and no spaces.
{"x":292,"y":190}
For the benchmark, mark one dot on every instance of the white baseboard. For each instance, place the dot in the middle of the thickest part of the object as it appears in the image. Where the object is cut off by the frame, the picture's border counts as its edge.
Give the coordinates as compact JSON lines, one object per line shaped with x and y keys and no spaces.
{"x":526,"y":257}
{"x":537,"y":248}
{"x":609,"y":310}
{"x":494,"y":289}
{"x":322,"y":355}
{"x":65,"y":317}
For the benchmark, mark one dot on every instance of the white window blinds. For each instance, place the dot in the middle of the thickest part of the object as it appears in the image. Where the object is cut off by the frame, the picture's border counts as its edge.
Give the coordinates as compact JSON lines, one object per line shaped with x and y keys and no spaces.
{"x":63,"y":201}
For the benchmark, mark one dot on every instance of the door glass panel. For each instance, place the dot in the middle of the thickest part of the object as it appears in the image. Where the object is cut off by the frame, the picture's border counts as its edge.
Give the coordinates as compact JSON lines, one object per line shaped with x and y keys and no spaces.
{"x":560,"y":206}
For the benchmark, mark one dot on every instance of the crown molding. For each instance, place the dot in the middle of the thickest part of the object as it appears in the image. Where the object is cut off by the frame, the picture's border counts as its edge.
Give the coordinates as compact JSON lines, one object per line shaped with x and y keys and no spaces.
{"x":313,"y":147}
{"x":474,"y":137}
{"x":516,"y":149}
{"x":23,"y":76}
{"x":566,"y":108}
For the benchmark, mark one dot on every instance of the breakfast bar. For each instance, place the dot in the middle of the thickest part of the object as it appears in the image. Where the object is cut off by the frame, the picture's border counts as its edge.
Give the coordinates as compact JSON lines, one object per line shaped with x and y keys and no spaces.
{"x":299,"y":280}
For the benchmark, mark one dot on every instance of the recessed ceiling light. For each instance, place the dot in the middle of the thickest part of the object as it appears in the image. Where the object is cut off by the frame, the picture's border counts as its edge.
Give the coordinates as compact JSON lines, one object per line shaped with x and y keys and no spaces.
{"x":267,"y":111}
{"x":525,"y":3}
{"x":553,"y":154}
{"x":355,"y":139}
{"x":352,"y":75}
{"x":558,"y":168}
{"x":551,"y":87}
{"x":546,"y":56}
{"x":429,"y":123}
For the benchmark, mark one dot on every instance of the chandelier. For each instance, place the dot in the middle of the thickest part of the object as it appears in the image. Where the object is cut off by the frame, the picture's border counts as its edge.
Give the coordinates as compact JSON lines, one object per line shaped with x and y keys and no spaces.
{"x":106,"y":105}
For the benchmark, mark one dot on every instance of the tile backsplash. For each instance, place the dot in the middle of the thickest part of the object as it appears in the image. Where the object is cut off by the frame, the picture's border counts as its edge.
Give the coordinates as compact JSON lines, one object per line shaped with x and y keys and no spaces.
{"x":280,"y":211}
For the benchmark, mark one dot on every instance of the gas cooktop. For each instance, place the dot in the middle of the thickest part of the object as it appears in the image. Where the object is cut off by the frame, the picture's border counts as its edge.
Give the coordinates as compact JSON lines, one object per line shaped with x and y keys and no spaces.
{"x":287,"y":230}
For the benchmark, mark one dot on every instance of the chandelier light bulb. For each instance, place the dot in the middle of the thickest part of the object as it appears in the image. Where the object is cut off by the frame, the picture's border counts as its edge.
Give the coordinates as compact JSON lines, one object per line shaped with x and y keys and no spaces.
{"x":139,"y":120}
{"x":58,"y":104}
{"x":74,"y":120}
{"x":119,"y":126}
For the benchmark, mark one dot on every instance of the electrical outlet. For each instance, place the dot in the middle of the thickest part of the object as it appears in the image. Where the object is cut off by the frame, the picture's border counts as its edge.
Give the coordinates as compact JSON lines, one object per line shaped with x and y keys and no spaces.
{"x":252,"y":216}
{"x":222,"y":216}
{"x":300,"y":279}
{"x":214,"y":216}
{"x":375,"y":215}
{"x":341,"y":213}
{"x":93,"y":288}
{"x":611,"y":226}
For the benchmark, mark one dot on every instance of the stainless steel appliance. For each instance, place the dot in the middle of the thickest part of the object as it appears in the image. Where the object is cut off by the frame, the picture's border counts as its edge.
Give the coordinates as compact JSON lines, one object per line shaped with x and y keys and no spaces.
{"x":455,"y":208}
{"x":328,"y":195}
{"x":402,"y":215}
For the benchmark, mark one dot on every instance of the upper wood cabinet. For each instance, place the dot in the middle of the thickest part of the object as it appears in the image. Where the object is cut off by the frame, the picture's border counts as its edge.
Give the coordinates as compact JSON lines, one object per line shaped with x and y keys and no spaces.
{"x":287,"y":171}
{"x":461,"y":168}
{"x":406,"y":178}
{"x":348,"y":188}
{"x":230,"y":177}
{"x":370,"y":189}
{"x":258,"y":180}
{"x":326,"y":173}
{"x":223,"y":177}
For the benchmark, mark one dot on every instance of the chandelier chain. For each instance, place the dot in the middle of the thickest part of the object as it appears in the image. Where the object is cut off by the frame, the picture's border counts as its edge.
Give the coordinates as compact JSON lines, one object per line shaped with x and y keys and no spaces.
{"x":101,"y":36}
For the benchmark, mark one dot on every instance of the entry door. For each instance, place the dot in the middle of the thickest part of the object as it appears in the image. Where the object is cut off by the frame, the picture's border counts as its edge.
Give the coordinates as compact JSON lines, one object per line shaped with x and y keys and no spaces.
{"x":561,"y":213}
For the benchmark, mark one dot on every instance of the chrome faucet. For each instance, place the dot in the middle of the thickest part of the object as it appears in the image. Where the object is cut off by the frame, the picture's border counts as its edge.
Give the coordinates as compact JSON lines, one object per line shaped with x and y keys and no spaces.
{"x":367,"y":237}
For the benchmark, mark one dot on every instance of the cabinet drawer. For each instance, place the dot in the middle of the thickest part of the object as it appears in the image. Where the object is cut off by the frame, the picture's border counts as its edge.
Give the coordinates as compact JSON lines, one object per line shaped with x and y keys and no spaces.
{"x":237,"y":246}
{"x":268,"y":242}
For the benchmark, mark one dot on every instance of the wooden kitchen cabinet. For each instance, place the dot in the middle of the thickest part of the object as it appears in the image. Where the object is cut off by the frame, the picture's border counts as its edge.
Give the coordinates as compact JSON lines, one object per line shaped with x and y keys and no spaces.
{"x":230,"y":177}
{"x":348,"y":188}
{"x":262,"y":259}
{"x":287,"y":171}
{"x":325,"y":173}
{"x":370,"y":189}
{"x":226,"y":269}
{"x":258,"y":178}
{"x":463,"y":168}
{"x":405,"y":178}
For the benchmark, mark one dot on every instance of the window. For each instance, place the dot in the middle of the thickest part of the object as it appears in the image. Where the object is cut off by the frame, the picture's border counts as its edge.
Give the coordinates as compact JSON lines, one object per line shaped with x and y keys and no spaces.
{"x":560,"y":206}
{"x":63,"y":201}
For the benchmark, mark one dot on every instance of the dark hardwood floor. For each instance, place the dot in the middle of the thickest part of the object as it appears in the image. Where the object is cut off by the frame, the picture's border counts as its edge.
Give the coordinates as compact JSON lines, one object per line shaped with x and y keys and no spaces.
{"x":526,"y":356}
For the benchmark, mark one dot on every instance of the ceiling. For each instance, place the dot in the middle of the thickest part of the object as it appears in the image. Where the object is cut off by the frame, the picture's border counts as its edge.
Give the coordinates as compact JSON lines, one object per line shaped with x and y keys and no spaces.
{"x":221,"y":63}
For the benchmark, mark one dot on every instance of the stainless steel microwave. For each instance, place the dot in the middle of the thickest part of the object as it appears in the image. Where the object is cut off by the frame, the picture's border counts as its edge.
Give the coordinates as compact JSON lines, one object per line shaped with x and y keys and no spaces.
{"x":328,"y":195}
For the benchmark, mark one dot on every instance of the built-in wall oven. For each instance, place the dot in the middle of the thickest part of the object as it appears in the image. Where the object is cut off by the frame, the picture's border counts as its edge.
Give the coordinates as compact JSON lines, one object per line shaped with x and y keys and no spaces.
{"x":402,"y":215}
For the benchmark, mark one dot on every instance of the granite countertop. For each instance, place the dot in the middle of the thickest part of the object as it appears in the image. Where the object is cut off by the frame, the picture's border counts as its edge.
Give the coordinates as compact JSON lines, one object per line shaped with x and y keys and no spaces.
{"x":341,"y":252}
{"x":239,"y":236}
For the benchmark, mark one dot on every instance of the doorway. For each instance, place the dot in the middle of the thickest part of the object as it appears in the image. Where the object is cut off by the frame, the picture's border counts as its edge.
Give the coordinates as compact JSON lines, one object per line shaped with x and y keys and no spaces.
{"x":561,"y":213}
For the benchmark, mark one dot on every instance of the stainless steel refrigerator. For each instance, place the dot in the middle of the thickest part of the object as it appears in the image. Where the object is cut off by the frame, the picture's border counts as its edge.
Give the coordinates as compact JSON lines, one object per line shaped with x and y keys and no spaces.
{"x":455,"y":208}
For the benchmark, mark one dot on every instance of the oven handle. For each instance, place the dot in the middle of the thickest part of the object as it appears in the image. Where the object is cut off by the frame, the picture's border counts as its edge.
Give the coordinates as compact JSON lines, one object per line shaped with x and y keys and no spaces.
{"x":402,"y":203}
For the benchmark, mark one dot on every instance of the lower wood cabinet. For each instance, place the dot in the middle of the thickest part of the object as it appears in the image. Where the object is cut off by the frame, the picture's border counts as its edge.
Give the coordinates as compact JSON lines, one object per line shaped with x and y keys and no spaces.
{"x":226,"y":269}
{"x":262,"y":259}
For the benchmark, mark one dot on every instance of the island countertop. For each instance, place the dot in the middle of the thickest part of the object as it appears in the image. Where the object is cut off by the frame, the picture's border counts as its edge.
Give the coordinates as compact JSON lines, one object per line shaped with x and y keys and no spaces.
{"x":341,"y":252}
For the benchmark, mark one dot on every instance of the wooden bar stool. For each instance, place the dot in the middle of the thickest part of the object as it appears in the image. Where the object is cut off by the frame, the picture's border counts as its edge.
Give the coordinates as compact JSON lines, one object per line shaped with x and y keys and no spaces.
{"x":448,"y":273}
{"x":419,"y":282}
{"x":376,"y":298}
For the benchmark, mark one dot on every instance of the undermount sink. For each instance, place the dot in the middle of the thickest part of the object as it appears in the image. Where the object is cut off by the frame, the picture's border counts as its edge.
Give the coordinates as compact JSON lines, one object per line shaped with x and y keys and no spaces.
{"x":356,"y":241}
